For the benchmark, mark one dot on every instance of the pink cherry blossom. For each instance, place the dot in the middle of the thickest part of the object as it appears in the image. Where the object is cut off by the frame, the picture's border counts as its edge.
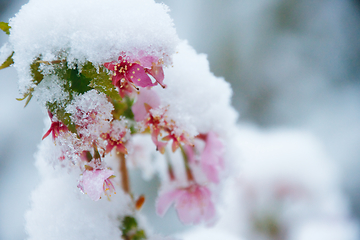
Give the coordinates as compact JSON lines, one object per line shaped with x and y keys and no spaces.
{"x":152,"y":67}
{"x":193,"y":204}
{"x":56,"y":128}
{"x":143,"y":110}
{"x":128,"y":72}
{"x":95,"y":182}
{"x":116,"y":143}
{"x":115,"y":137}
{"x":146,"y":100}
{"x":177,"y":139}
{"x":212,"y":159}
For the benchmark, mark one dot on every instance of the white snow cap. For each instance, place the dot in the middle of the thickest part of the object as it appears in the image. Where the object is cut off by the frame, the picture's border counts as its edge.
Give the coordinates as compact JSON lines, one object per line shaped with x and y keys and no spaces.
{"x":90,"y":30}
{"x":198,"y":101}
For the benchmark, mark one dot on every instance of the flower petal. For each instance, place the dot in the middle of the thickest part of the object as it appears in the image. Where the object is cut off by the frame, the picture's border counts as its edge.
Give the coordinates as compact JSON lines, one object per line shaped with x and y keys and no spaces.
{"x":212,"y":157}
{"x":195,"y":206}
{"x":110,"y":65}
{"x":92,"y":182}
{"x":158,"y":73}
{"x":136,"y":74}
{"x":165,"y":200}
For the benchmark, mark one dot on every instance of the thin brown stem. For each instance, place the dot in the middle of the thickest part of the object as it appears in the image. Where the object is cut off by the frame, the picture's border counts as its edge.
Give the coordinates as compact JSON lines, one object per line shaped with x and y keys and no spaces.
{"x":189,"y":174}
{"x":124,"y":174}
{"x":170,"y":167}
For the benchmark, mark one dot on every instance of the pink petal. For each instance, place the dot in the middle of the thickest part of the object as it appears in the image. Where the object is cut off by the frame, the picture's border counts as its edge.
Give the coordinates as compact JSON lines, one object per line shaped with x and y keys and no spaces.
{"x":187,"y":209}
{"x":47,"y":133}
{"x":212,"y":157}
{"x":190,"y":153}
{"x":110,"y":65}
{"x":93,"y":181}
{"x":160,"y":146}
{"x":195,"y":206}
{"x":138,"y":76}
{"x":116,"y":79}
{"x":209,"y":208}
{"x":147,"y":61}
{"x":165,"y":200}
{"x":146,"y":96}
{"x":154,"y":135}
{"x":158,"y":73}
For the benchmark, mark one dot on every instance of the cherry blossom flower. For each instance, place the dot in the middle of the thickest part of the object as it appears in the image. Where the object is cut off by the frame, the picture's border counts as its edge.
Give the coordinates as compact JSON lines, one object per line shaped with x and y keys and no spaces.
{"x":91,"y":112}
{"x":116,"y":143}
{"x":128,"y":72}
{"x":115,"y":137}
{"x":56,"y":128}
{"x":147,"y":109}
{"x":177,"y":139}
{"x":193,"y":204}
{"x":212,"y":159}
{"x":155,"y":70}
{"x":157,"y":122}
{"x":146,"y":101}
{"x":95,"y":182}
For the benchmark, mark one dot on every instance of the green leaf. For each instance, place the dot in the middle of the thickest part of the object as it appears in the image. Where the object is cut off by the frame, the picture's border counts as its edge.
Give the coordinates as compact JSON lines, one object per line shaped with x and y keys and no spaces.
{"x":100,"y":80}
{"x":73,"y":83}
{"x":7,"y":62}
{"x":76,"y":82}
{"x":58,"y":110}
{"x":36,"y":72}
{"x":5,"y":27}
{"x":130,"y":229}
{"x":123,"y":108}
{"x":28,"y":95}
{"x":37,"y":78}
{"x":128,"y":113}
{"x":139,"y":235}
{"x":129,"y":223}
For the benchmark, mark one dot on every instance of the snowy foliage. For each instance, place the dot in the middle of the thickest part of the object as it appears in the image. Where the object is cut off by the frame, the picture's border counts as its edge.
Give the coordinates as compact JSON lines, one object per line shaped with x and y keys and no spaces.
{"x":123,"y":92}
{"x":110,"y":79}
{"x":95,"y":31}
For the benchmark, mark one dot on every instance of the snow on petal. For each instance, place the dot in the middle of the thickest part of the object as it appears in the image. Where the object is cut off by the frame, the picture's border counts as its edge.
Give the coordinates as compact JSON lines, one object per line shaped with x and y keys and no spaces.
{"x":92,"y":182}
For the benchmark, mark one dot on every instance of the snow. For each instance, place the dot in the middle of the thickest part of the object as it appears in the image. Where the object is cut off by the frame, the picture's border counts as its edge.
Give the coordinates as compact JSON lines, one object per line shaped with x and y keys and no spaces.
{"x":89,"y":30}
{"x":198,"y":101}
{"x":60,"y":211}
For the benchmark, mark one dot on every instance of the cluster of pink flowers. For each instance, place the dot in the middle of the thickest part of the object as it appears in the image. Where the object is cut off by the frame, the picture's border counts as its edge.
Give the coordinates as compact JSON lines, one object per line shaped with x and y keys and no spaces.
{"x":56,"y":128}
{"x":194,"y":201}
{"x":98,"y":133}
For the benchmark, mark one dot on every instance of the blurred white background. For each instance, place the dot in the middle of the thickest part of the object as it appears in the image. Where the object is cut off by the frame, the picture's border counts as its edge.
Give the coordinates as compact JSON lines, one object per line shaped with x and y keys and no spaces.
{"x":292,"y":63}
